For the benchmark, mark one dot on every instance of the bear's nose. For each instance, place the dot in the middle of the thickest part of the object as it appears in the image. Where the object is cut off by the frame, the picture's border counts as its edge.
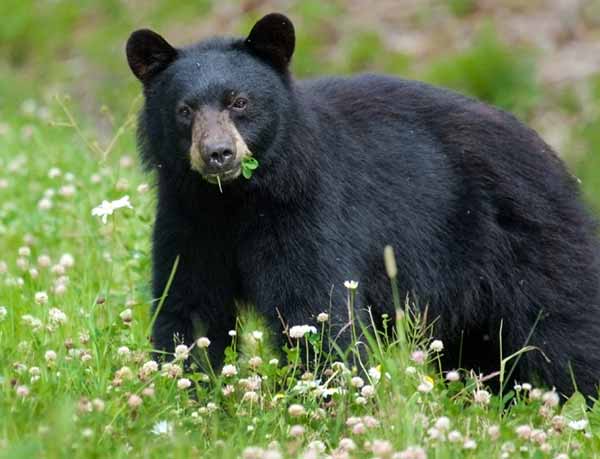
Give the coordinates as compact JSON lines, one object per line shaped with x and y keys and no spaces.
{"x":218,"y":156}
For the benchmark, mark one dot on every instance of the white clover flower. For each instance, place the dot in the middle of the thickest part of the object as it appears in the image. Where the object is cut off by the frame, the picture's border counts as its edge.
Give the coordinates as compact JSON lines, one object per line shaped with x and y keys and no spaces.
{"x":3,"y":313}
{"x":454,"y":436}
{"x":56,"y":316}
{"x":298,"y":331}
{"x":296,"y":431}
{"x":41,"y":297}
{"x":255,"y":362}
{"x":229,"y":370}
{"x":494,"y":432}
{"x":134,"y":401}
{"x":351,"y":285}
{"x":143,"y":188}
{"x":436,"y":345}
{"x":67,"y":260}
{"x":442,"y":423}
{"x":50,"y":356}
{"x":526,"y":386}
{"x":162,"y":428}
{"x":581,"y":424}
{"x":418,"y":357}
{"x":410,"y":370}
{"x":45,"y":204}
{"x":274,"y":362}
{"x":67,"y":191}
{"x":24,"y":251}
{"x":482,"y":397}
{"x":257,"y":335}
{"x":296,"y":410}
{"x":347,"y":444}
{"x":22,"y":391}
{"x":183,"y":383}
{"x":54,"y":172}
{"x":469,"y":444}
{"x":322,"y":317}
{"x":203,"y":342}
{"x":149,"y":367}
{"x":126,"y":315}
{"x":182,"y":352}
{"x":123,"y":352}
{"x":367,"y":391}
{"x":107,"y":208}
{"x":375,"y":374}
{"x":412,"y":452}
{"x":426,"y":384}
{"x":232,"y":333}
{"x":523,"y":431}
{"x":357,"y":381}
{"x":250,"y":396}
{"x":453,"y":376}
{"x":382,"y":448}
{"x":551,"y":399}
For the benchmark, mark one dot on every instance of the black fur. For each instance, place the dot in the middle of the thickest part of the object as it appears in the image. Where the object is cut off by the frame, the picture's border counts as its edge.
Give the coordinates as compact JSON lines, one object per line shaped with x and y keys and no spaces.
{"x":487,"y":224}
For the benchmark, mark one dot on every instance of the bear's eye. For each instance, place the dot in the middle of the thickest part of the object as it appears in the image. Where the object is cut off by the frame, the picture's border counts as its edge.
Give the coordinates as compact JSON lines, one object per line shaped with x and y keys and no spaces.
{"x":184,"y":112}
{"x":239,"y":104}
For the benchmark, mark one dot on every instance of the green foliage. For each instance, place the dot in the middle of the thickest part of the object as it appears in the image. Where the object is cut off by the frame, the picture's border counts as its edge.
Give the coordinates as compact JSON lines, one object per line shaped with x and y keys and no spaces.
{"x":490,"y":71}
{"x":461,"y":7}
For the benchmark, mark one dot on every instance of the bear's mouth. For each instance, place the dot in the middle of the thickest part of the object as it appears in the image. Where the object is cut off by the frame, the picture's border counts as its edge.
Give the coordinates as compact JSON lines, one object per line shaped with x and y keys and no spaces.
{"x":223,"y":177}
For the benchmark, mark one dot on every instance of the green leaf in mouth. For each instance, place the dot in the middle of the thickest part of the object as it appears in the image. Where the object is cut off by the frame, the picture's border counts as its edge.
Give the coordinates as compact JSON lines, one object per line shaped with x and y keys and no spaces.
{"x":249,"y":165}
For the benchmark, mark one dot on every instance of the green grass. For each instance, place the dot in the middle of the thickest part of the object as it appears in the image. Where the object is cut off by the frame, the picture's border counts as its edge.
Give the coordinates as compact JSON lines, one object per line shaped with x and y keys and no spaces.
{"x":91,"y":399}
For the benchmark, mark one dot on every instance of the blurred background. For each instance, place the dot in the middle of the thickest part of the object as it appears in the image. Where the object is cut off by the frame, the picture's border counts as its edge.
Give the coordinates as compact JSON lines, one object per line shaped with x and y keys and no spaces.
{"x":537,"y":58}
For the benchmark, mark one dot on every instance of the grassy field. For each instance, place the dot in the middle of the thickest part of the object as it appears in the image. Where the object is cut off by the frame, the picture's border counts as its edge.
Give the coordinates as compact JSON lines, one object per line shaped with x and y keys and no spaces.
{"x":76,"y":379}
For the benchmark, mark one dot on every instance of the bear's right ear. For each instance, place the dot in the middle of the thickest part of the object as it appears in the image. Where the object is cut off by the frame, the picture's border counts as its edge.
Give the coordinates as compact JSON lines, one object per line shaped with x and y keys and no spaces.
{"x":148,"y":54}
{"x":273,"y":38}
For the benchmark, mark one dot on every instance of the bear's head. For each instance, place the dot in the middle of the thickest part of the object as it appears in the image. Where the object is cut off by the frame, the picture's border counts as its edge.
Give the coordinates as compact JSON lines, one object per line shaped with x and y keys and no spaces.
{"x":211,"y":105}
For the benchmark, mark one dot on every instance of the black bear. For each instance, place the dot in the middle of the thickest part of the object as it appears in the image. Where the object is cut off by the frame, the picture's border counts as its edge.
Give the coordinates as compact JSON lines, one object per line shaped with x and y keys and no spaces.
{"x":488,"y":226}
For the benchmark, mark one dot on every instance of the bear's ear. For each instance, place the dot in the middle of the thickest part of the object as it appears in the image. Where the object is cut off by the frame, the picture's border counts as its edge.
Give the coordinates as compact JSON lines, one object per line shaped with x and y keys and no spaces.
{"x":148,"y":54}
{"x":273,"y":38}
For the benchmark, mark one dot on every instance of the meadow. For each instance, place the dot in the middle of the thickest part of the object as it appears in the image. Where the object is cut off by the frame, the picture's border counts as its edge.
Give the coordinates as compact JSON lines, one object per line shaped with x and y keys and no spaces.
{"x":77,"y":377}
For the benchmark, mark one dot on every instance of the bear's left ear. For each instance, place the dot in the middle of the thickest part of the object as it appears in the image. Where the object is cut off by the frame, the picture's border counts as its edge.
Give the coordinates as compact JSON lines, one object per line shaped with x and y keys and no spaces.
{"x":273,"y":39}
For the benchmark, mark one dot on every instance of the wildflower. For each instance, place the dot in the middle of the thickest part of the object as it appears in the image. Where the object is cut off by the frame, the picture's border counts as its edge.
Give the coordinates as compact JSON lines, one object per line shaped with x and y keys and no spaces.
{"x":134,"y":401}
{"x":41,"y":297}
{"x":107,"y":208}
{"x":45,"y":204}
{"x":67,"y":191}
{"x":250,"y":396}
{"x":523,"y":431}
{"x":412,"y":452}
{"x":182,"y":352}
{"x":126,"y":315}
{"x":143,"y":188}
{"x":370,"y":421}
{"x":382,"y":448}
{"x":418,"y":357}
{"x":232,"y":333}
{"x":410,"y":370}
{"x":274,"y":362}
{"x":426,"y":384}
{"x":359,"y":429}
{"x":162,"y":428}
{"x":296,"y":431}
{"x":526,"y":386}
{"x":67,"y":260}
{"x":298,"y":331}
{"x":367,"y":391}
{"x":581,"y":424}
{"x":24,"y":251}
{"x":257,"y":335}
{"x":360,"y":400}
{"x":454,"y":436}
{"x":255,"y":362}
{"x":22,"y":263}
{"x":34,"y":273}
{"x":347,"y":444}
{"x":357,"y":381}
{"x":442,"y":423}
{"x":148,"y":391}
{"x":494,"y":432}
{"x":54,"y":172}
{"x":482,"y":397}
{"x":149,"y":368}
{"x":375,"y":374}
{"x":183,"y":384}
{"x":3,"y":313}
{"x":50,"y":356}
{"x":22,"y":391}
{"x":558,"y":423}
{"x":351,"y":285}
{"x":228,"y":390}
{"x":56,"y":316}
{"x":296,"y":410}
{"x":453,"y":376}
{"x":171,"y":370}
{"x":322,"y":317}
{"x":550,"y":399}
{"x":535,"y":394}
{"x":123,"y":352}
{"x":203,"y":342}
{"x":124,"y":373}
{"x":436,"y":345}
{"x":469,"y":443}
{"x":98,"y":404}
{"x":229,"y":370}
{"x":125,"y":161}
